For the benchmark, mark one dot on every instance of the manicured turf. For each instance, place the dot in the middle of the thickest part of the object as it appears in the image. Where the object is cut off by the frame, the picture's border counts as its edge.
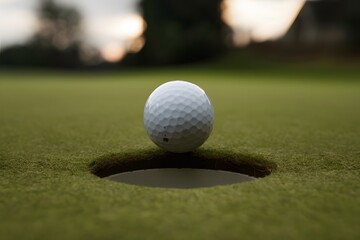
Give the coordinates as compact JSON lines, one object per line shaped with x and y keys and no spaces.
{"x":55,"y":128}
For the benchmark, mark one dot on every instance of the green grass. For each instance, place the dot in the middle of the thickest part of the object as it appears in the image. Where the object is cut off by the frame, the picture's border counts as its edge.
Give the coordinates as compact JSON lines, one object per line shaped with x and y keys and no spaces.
{"x":55,"y":127}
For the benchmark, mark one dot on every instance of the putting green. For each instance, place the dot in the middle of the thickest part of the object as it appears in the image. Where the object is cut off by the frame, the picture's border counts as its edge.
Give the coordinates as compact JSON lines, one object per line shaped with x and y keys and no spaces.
{"x":55,"y":127}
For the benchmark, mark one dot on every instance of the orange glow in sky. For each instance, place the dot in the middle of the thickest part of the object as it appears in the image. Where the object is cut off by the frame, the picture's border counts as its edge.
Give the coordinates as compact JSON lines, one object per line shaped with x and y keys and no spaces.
{"x":126,"y":33}
{"x":129,"y":26}
{"x":113,"y":52}
{"x":260,"y":20}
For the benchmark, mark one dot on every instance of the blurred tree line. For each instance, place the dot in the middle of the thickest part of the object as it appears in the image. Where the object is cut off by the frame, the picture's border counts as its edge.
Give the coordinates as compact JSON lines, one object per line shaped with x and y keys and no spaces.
{"x":56,"y":43}
{"x":326,"y":25}
{"x":177,"y":32}
{"x":181,"y":32}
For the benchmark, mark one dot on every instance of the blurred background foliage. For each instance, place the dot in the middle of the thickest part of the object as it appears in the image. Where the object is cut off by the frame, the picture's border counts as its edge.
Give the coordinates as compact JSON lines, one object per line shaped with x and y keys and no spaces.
{"x":179,"y":32}
{"x":56,"y":43}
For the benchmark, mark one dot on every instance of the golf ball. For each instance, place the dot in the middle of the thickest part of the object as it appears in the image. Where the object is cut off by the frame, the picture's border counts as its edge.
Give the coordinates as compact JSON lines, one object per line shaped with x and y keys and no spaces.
{"x":178,"y":116}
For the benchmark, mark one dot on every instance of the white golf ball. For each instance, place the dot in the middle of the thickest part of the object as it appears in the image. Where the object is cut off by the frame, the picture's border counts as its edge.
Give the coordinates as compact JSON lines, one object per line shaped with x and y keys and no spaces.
{"x":178,"y":116}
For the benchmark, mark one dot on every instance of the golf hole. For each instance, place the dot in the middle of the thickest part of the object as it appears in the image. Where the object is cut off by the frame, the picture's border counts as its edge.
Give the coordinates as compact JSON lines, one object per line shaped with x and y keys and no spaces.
{"x":190,"y":170}
{"x":180,"y":177}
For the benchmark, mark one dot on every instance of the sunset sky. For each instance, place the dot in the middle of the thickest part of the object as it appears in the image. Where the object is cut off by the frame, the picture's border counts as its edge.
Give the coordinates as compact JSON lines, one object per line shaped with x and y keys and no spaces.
{"x":113,"y":25}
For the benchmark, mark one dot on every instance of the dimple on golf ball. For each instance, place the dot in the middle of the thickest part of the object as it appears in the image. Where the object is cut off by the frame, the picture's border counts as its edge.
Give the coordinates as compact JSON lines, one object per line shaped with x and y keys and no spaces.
{"x":178,"y":116}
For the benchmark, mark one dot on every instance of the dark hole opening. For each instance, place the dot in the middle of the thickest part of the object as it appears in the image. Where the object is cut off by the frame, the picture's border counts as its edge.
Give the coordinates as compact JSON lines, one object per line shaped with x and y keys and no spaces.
{"x":163,"y":169}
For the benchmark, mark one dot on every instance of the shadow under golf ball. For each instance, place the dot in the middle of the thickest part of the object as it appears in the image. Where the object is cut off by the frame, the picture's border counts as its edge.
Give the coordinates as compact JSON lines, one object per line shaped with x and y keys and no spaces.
{"x":202,"y":168}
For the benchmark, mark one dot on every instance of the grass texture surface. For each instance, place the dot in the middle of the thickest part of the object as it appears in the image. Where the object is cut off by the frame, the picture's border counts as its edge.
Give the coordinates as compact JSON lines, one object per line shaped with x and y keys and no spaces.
{"x":58,"y":128}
